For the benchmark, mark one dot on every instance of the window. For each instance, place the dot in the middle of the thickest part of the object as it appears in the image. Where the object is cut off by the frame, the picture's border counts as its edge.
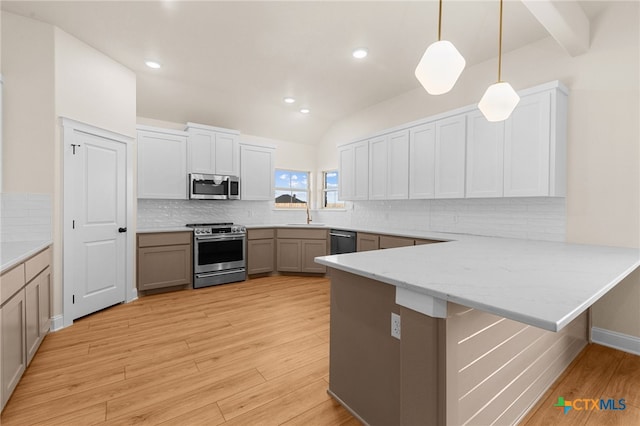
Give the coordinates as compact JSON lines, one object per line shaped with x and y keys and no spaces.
{"x":330,"y":191}
{"x":292,"y":189}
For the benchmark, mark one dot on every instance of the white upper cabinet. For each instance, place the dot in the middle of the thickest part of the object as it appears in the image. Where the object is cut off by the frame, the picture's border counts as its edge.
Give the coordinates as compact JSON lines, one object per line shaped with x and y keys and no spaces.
{"x":389,"y":166}
{"x":535,"y":146}
{"x":354,"y":171}
{"x":422,"y":151}
{"x":378,"y":168}
{"x":361,"y":170}
{"x":460,"y":154}
{"x":256,"y":176}
{"x":213,"y":150}
{"x":345,"y":172}
{"x":449,"y":157}
{"x":485,"y":157}
{"x":398,"y":165}
{"x":162,"y":163}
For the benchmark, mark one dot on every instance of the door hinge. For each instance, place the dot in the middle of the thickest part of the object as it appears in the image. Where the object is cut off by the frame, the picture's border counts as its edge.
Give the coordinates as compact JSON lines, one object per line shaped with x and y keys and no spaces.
{"x":73,"y":299}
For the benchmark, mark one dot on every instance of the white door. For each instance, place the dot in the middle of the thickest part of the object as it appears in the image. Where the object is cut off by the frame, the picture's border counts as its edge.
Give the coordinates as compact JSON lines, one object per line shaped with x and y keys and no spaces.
{"x":97,"y":210}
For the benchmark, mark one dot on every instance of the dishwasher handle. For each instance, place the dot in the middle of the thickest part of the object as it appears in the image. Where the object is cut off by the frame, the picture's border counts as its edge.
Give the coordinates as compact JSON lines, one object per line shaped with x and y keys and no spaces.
{"x":334,"y":234}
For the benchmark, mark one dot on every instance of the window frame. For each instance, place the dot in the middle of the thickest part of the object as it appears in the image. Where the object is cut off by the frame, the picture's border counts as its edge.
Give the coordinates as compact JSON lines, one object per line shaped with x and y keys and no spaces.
{"x":290,"y":206}
{"x":325,"y":190}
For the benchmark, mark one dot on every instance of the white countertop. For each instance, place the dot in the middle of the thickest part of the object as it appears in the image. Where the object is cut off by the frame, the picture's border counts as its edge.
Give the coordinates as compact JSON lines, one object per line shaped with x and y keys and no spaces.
{"x":12,"y":253}
{"x":164,"y":229}
{"x":544,"y":284}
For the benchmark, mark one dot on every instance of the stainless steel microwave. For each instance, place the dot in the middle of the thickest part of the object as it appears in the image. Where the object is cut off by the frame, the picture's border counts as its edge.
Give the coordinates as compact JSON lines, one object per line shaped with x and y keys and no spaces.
{"x":213,"y":187}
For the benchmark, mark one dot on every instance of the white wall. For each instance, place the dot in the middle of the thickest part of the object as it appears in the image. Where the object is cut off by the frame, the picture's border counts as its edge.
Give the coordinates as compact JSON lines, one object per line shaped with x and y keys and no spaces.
{"x":603,"y":204}
{"x":28,"y":111}
{"x":92,"y":88}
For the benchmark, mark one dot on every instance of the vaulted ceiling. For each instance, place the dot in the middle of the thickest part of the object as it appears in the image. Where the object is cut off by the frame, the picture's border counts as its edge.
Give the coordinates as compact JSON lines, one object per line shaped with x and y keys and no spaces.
{"x":230,"y":64}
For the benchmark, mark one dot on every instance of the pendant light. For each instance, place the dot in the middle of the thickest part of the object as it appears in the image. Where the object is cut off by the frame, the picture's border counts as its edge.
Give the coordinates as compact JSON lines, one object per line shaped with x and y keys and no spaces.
{"x":441,"y":64}
{"x":499,"y":101}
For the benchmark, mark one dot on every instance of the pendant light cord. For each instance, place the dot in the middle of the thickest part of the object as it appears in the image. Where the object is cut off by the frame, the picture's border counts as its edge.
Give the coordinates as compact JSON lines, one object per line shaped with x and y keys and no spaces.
{"x":499,"y":47}
{"x":440,"y":21}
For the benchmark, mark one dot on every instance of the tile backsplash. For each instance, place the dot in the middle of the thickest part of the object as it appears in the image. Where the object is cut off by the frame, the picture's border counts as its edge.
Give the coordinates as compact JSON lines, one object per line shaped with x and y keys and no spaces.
{"x":528,"y":218}
{"x":25,"y":217}
{"x":170,"y":213}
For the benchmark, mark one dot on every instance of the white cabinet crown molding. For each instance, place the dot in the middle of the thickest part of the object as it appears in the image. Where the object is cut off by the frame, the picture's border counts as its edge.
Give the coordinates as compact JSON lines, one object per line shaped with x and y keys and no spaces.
{"x":197,"y":126}
{"x":145,"y":128}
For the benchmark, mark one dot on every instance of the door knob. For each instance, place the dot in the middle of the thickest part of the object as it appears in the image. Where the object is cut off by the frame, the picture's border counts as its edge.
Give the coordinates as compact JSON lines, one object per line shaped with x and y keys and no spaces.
{"x":122,"y":229}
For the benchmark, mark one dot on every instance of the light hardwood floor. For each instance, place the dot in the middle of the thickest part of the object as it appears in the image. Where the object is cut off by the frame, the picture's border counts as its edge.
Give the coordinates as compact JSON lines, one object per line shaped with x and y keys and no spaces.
{"x":246,"y":354}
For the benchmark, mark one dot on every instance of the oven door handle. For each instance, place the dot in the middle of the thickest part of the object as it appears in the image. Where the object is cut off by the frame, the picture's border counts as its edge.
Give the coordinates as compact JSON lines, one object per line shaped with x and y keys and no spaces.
{"x":222,"y":237}
{"x":218,"y":273}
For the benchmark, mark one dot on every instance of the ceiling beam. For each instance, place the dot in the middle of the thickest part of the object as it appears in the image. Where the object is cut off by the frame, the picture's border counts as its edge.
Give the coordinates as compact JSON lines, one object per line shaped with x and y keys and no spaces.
{"x":565,"y":21}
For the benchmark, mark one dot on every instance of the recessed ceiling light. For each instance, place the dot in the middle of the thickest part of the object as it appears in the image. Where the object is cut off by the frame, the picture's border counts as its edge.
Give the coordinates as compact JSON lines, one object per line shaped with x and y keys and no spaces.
{"x":153,"y":64}
{"x":360,"y":53}
{"x":305,"y":110}
{"x":288,"y":100}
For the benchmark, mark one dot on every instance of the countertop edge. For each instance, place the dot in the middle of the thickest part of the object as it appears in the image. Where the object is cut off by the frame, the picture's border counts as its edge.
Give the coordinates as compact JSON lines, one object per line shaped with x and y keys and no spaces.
{"x":26,"y":250}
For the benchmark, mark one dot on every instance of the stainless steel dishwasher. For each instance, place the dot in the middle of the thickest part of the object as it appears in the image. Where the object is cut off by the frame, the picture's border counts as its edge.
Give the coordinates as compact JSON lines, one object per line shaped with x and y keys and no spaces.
{"x":342,"y":241}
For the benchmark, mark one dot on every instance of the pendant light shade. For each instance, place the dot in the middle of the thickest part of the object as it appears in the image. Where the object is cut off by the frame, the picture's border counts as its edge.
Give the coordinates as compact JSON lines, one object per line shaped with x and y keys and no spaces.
{"x":499,"y":101}
{"x":440,"y":67}
{"x":441,"y":64}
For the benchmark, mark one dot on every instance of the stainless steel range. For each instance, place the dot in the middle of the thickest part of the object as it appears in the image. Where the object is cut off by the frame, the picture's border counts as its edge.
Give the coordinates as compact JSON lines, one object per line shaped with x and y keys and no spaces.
{"x":218,"y":253}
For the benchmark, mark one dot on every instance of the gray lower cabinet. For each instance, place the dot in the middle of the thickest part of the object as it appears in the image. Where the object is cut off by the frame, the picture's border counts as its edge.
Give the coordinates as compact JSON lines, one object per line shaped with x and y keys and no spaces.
{"x":25,"y":317}
{"x":164,"y":260}
{"x":14,"y":360}
{"x":310,"y":249}
{"x":260,"y":251}
{"x":38,"y":312}
{"x":367,"y":242}
{"x":388,"y":241}
{"x":297,"y":248}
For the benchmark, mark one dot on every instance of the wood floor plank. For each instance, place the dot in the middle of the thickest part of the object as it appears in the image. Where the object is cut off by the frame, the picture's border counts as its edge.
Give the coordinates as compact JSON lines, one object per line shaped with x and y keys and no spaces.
{"x":87,"y":416}
{"x":328,"y":412}
{"x":271,"y":390}
{"x":46,"y":391}
{"x":270,"y":351}
{"x":293,"y":361}
{"x":27,"y":413}
{"x":625,"y":382}
{"x":185,"y":396}
{"x":203,"y":416}
{"x":285,"y":408}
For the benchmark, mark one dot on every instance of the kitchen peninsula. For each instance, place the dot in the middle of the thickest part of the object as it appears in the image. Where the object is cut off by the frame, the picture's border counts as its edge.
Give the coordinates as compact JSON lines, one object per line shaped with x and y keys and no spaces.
{"x":487,"y":325}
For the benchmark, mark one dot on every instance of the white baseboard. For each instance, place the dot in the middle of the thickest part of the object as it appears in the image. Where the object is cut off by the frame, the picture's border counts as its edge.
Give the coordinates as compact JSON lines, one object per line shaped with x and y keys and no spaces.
{"x":57,"y":323}
{"x":133,"y":295}
{"x":612,"y":339}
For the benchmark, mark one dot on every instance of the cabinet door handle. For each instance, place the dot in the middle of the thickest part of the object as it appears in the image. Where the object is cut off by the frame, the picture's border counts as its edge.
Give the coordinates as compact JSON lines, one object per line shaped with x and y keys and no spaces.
{"x":121,"y":230}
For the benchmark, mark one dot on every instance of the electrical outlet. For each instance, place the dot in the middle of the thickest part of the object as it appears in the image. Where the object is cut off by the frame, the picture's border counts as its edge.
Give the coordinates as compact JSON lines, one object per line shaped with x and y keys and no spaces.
{"x":395,"y":325}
